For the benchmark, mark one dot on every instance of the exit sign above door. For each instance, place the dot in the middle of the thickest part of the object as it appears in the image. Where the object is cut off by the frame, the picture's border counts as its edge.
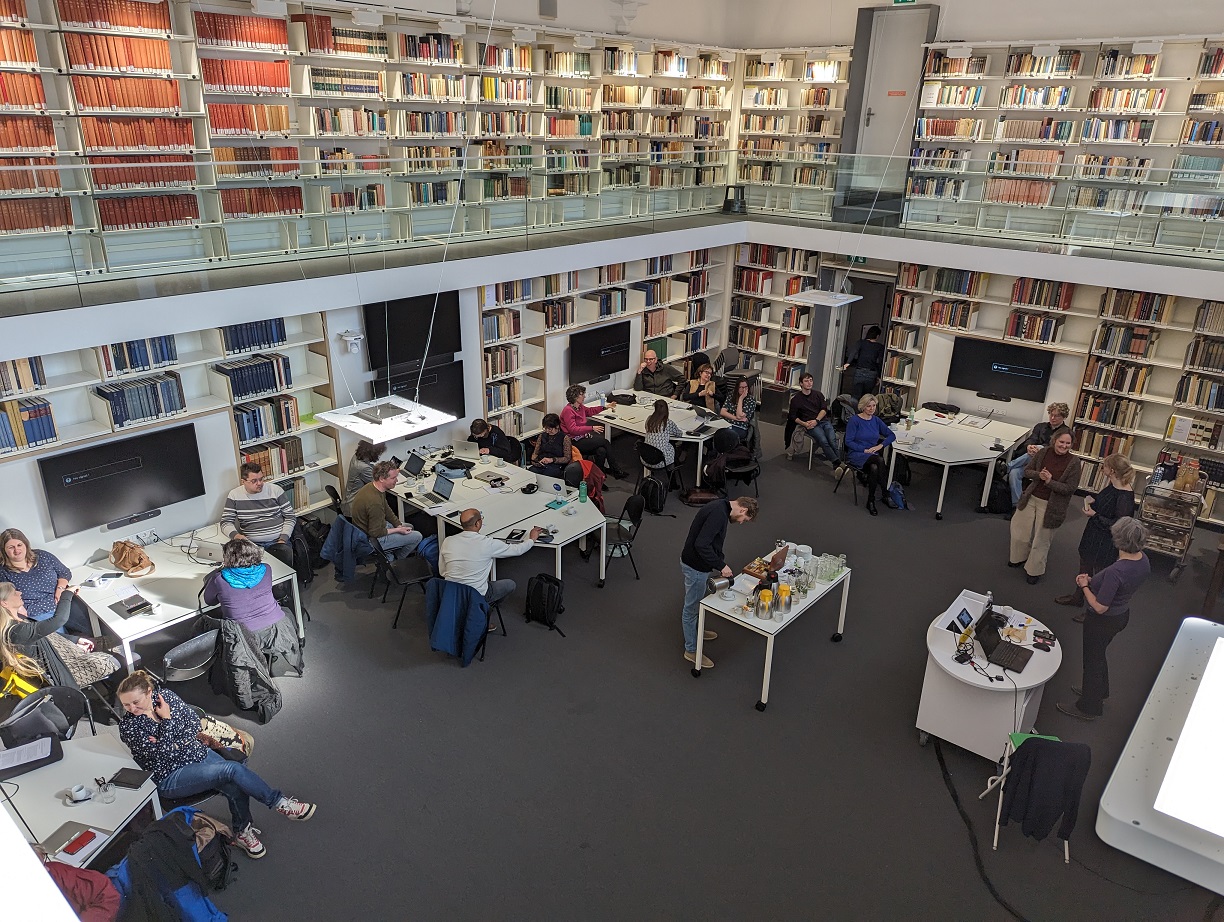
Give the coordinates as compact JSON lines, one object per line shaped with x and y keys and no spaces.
{"x":900,"y":2}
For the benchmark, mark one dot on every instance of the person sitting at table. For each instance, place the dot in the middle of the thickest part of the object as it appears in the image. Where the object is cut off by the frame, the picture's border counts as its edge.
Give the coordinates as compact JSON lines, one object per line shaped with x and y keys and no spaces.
{"x":492,"y":441}
{"x":257,"y":509}
{"x":700,"y":391}
{"x":588,"y":438}
{"x":739,"y":408}
{"x":809,"y":416}
{"x":40,"y":575}
{"x":361,"y":466}
{"x":866,"y":439}
{"x":1053,"y":475}
{"x":660,"y":430}
{"x":164,"y":736}
{"x":242,"y":588}
{"x":1115,"y":500}
{"x":1036,"y":440}
{"x":655,"y":377}
{"x":373,"y":514}
{"x":553,"y":449}
{"x":34,"y":649}
{"x":467,"y":557}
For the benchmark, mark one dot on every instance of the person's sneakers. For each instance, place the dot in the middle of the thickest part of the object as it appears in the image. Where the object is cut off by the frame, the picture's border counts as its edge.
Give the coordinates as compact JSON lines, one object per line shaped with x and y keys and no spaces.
{"x":1071,"y":598}
{"x":706,"y":662}
{"x":790,"y":456}
{"x":1020,"y":564}
{"x":1072,"y":711}
{"x":295,"y":809}
{"x":838,"y":468}
{"x":248,"y":841}
{"x":710,"y":635}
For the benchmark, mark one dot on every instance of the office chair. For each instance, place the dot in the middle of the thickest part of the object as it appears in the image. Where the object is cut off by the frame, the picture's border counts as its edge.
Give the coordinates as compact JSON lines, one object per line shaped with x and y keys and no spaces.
{"x":749,"y":472}
{"x":623,"y":531}
{"x":653,"y":459}
{"x":192,"y":658}
{"x":385,"y":569}
{"x":30,"y":719}
{"x":438,"y":591}
{"x":334,"y":496}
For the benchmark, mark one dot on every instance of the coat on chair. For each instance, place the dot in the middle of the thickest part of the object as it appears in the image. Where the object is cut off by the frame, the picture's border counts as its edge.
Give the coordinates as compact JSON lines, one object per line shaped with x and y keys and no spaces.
{"x":240,"y":672}
{"x":457,"y":617}
{"x":346,"y":544}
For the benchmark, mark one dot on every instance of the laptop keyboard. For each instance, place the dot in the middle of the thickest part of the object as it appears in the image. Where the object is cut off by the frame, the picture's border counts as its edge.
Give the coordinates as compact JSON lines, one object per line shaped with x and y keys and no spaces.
{"x":1009,"y":656}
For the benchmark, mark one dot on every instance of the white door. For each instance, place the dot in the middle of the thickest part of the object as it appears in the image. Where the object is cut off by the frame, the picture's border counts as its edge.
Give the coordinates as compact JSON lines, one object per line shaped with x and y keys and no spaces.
{"x":890,"y":97}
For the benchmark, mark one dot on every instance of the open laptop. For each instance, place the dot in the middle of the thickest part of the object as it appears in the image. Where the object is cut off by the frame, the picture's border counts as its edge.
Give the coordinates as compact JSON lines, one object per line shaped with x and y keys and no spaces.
{"x":413,"y":464}
{"x":468,"y":451}
{"x":441,"y":492}
{"x":699,"y":430}
{"x":207,"y":550}
{"x":1003,"y":653}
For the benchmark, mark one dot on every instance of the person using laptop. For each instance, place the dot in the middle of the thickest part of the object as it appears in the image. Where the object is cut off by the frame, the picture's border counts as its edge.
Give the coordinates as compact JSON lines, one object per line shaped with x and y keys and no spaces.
{"x":257,"y":510}
{"x":373,"y":514}
{"x":467,"y":557}
{"x":495,"y":443}
{"x":660,"y":430}
{"x":809,"y":416}
{"x":553,"y":449}
{"x":587,"y":437}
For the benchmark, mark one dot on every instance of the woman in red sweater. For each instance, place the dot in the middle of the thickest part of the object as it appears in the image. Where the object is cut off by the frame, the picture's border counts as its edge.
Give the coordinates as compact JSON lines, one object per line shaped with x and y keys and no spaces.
{"x":588,"y":439}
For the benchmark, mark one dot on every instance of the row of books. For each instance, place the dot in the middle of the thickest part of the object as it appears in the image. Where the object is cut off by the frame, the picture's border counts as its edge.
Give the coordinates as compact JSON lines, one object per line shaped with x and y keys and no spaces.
{"x":255,"y":334}
{"x":1098,"y":166}
{"x":769,"y":97}
{"x":1200,"y":391}
{"x":1111,"y":375}
{"x":1136,"y":305}
{"x":342,"y":160}
{"x":1133,"y":342}
{"x":1098,"y":443}
{"x":437,"y":87}
{"x":35,"y":215}
{"x":1210,"y":317}
{"x":608,"y":303}
{"x":324,"y":38}
{"x":278,"y":457}
{"x":654,"y":323}
{"x":1026,"y":64}
{"x":771,"y":124}
{"x":1110,"y":411}
{"x":502,"y":394}
{"x":26,"y":133}
{"x":957,"y":315}
{"x":558,"y":312}
{"x":138,"y":355}
{"x":240,"y":120}
{"x":505,"y":292}
{"x":143,"y":399}
{"x":124,"y":53}
{"x":18,"y":376}
{"x":22,"y":91}
{"x":1022,"y":96}
{"x":262,"y":200}
{"x":505,"y":57}
{"x":434,"y":47}
{"x":17,"y":47}
{"x":1139,"y":99}
{"x":122,"y":14}
{"x":26,"y":423}
{"x":256,"y":161}
{"x":298,"y":493}
{"x":750,"y":337}
{"x":1189,"y":205}
{"x":336,"y":81}
{"x":223,"y":30}
{"x":753,"y":281}
{"x":1205,"y":102}
{"x":903,"y":338}
{"x":793,"y":345}
{"x":1019,"y":191}
{"x":1026,"y":161}
{"x":132,"y":94}
{"x":558,"y":283}
{"x":510,"y":423}
{"x":362,"y":198}
{"x":1117,"y":129}
{"x":1098,"y":198}
{"x":756,"y":69}
{"x":963,"y":129}
{"x":138,"y":133}
{"x":908,"y":307}
{"x":1212,"y":63}
{"x":569,"y":126}
{"x":1042,"y":293}
{"x":749,"y":310}
{"x":259,"y":374}
{"x":696,"y":340}
{"x":434,"y":193}
{"x":939,"y":158}
{"x":960,"y":282}
{"x":1036,"y":328}
{"x":1046,"y":129}
{"x":670,"y":97}
{"x":505,"y":89}
{"x":1198,"y":131}
{"x":500,"y":324}
{"x":1196,"y":431}
{"x":222,"y":75}
{"x":952,"y":94}
{"x":263,"y":419}
{"x":501,"y":360}
{"x":568,"y":63}
{"x":566,"y":158}
{"x":900,"y":367}
{"x":148,"y":211}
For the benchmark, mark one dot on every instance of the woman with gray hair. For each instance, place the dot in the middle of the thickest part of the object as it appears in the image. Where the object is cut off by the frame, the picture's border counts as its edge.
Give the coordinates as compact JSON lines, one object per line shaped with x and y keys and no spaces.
{"x":1107,"y":599}
{"x":243,"y":590}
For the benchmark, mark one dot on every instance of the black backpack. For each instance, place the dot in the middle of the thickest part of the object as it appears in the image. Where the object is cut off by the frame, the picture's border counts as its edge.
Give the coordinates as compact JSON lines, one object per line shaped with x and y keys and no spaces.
{"x":314,"y":532}
{"x":544,"y":601}
{"x":654,"y":493}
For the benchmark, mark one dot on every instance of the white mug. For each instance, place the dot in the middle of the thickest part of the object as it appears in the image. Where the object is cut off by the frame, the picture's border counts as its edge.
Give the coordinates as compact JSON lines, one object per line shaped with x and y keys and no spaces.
{"x":501,"y":462}
{"x":80,"y":793}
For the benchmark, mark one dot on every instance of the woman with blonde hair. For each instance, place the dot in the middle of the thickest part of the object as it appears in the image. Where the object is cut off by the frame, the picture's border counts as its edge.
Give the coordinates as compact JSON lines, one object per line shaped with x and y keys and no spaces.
{"x":58,"y":659}
{"x":1116,"y":500}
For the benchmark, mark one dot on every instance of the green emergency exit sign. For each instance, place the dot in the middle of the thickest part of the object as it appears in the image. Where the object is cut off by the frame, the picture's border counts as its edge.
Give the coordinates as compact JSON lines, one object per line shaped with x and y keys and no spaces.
{"x":901,"y":2}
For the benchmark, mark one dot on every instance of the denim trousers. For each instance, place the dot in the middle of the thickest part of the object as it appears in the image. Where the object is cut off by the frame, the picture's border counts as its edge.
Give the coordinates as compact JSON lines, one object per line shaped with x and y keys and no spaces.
{"x":822,"y":435}
{"x":694,"y":592}
{"x":1015,"y":475}
{"x":233,"y":779}
{"x":399,"y":546}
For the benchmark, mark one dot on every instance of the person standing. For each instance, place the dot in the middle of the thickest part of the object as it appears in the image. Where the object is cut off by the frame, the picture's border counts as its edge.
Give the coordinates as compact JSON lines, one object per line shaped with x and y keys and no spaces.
{"x":587,"y":437}
{"x":373,"y":514}
{"x":1053,"y":474}
{"x":867,"y":360}
{"x":1037,"y":439}
{"x":467,"y":557}
{"x":703,"y":555}
{"x":809,"y":416}
{"x":866,"y":439}
{"x":657,"y":378}
{"x":257,"y":510}
{"x":1116,"y":500}
{"x":1107,"y":597}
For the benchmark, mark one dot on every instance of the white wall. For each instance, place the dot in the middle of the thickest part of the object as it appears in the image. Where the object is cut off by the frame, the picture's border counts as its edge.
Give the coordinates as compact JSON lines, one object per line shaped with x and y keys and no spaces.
{"x":693,"y":21}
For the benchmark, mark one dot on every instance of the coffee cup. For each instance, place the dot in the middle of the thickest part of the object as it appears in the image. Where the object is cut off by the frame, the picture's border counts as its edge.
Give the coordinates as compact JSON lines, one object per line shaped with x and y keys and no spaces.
{"x":485,"y":459}
{"x":501,"y":462}
{"x":79,"y":794}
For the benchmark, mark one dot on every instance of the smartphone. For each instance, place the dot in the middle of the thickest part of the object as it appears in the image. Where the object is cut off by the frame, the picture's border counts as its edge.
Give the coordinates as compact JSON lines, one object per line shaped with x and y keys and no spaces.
{"x":80,"y":842}
{"x":516,"y":535}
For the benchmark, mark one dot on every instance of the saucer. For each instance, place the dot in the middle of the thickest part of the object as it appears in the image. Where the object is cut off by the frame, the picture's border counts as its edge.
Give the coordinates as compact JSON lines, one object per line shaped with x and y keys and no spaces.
{"x":69,"y":802}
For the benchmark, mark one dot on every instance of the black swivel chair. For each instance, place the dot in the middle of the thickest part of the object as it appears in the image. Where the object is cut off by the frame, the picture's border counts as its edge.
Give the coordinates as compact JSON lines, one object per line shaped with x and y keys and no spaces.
{"x":748,"y":472}
{"x":392,"y":572}
{"x":651,"y":458}
{"x":29,"y":720}
{"x":332,"y":494}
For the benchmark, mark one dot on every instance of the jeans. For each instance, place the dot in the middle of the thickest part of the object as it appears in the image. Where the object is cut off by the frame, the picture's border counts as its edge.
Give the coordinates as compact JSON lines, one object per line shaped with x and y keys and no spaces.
{"x":399,"y":546}
{"x":233,"y":779}
{"x":1015,"y":475}
{"x":499,"y":589}
{"x":694,"y":592}
{"x":1099,"y":631}
{"x":863,"y":383}
{"x":822,"y":434}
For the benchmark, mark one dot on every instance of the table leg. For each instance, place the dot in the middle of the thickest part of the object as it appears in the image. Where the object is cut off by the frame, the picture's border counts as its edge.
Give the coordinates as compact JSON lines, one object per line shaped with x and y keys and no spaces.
{"x":127,"y":656}
{"x":701,"y":612}
{"x":943,"y":485}
{"x":94,"y":624}
{"x":892,"y":462}
{"x":990,"y":467}
{"x":841,"y":618}
{"x":297,"y":607}
{"x":557,"y":564}
{"x":700,"y":455}
{"x":769,"y":645}
{"x":603,"y":557}
{"x":157,"y":807}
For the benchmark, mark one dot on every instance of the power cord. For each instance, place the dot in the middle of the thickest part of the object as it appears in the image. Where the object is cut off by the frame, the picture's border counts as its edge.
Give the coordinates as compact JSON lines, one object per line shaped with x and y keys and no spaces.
{"x":9,"y":797}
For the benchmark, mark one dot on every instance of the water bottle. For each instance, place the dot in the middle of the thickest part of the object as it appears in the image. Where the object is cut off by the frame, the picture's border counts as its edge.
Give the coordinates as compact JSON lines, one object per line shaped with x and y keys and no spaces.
{"x":909,"y":423}
{"x":557,"y":489}
{"x":582,"y":492}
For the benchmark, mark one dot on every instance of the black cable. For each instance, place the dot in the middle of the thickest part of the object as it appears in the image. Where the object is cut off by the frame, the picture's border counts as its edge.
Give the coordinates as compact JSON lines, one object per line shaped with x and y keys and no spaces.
{"x":1118,"y":883}
{"x":973,"y":840}
{"x":9,"y":797}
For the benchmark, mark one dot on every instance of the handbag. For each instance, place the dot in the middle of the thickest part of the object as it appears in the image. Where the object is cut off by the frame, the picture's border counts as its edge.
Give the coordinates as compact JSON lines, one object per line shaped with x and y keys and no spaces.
{"x":131,"y":558}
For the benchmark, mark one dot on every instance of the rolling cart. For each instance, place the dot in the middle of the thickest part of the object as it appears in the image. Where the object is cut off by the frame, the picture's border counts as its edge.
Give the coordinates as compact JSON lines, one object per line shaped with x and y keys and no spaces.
{"x":1170,"y":516}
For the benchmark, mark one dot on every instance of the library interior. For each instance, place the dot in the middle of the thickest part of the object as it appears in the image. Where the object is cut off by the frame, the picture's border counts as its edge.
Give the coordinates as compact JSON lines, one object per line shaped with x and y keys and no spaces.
{"x":366,"y":336}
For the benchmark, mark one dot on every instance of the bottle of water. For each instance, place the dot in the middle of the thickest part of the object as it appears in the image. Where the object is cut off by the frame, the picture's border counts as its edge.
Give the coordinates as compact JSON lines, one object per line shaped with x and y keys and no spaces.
{"x":582,"y":492}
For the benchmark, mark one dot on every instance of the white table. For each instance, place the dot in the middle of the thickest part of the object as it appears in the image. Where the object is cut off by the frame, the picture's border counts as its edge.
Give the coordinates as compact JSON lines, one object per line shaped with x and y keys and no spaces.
{"x":1128,"y":818}
{"x":474,"y":493}
{"x":39,"y":800}
{"x":173,"y":588}
{"x":942,"y":440}
{"x":586,"y":519}
{"x":972,"y":710}
{"x":733,"y":610}
{"x":632,"y":418}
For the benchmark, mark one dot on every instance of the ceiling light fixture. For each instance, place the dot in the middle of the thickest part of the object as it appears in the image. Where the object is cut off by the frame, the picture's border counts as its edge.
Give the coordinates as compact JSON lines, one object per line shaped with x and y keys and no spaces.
{"x":1045,"y":51}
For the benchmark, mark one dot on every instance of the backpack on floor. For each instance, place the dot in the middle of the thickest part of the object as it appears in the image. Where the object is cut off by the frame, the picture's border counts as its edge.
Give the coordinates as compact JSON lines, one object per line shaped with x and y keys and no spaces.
{"x":696,"y":496}
{"x":314,"y":531}
{"x":999,"y":501}
{"x":544,"y":601}
{"x":654,"y":493}
{"x":896,"y":496}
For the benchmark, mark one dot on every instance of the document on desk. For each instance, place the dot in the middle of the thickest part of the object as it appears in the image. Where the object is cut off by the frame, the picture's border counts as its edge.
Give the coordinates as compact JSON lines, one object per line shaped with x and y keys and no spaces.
{"x":21,"y":755}
{"x":977,"y":422}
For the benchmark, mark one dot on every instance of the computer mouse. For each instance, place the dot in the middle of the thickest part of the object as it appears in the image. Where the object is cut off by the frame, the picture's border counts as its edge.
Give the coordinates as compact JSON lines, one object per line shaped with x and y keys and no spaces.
{"x":1044,"y":647}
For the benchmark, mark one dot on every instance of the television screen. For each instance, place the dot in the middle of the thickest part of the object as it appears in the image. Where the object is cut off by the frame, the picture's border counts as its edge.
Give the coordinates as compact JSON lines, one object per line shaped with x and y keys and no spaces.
{"x":117,"y":480}
{"x":404,"y":324}
{"x":441,"y":387}
{"x":1000,"y":369}
{"x":599,"y":352}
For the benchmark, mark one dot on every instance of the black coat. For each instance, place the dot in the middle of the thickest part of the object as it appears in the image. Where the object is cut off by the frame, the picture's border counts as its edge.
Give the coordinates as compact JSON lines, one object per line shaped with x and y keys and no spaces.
{"x":1044,"y":783}
{"x":241,"y":673}
{"x":1096,"y":548}
{"x":30,"y":638}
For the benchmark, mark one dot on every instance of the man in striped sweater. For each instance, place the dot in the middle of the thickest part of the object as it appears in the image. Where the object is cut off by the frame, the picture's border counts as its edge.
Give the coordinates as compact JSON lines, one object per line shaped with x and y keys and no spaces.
{"x":258,"y":511}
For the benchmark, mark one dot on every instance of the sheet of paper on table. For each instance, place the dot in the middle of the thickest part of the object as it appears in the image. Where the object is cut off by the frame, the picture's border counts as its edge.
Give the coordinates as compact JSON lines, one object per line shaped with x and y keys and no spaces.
{"x":977,"y":422}
{"x":20,"y":755}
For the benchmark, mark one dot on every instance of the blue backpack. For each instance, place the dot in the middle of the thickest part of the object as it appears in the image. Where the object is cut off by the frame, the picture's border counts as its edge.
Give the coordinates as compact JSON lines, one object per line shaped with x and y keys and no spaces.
{"x":896,"y":496}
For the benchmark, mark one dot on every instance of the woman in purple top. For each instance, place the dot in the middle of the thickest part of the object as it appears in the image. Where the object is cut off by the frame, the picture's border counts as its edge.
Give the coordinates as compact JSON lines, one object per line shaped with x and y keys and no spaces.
{"x":243,"y":587}
{"x":1107,"y":598}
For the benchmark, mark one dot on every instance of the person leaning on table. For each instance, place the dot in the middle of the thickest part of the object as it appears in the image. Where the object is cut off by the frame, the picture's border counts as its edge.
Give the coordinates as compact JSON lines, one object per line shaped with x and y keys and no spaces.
{"x":1052,"y":474}
{"x":467,"y":557}
{"x":655,"y":377}
{"x":40,"y":575}
{"x":1107,"y":598}
{"x":257,"y":510}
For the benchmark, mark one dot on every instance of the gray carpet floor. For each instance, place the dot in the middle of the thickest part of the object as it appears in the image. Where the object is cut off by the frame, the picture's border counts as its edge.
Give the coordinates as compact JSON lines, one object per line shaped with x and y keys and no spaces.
{"x":592,"y":777}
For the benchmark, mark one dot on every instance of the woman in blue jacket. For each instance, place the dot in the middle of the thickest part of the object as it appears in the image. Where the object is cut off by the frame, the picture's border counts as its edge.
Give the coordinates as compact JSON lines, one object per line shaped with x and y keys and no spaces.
{"x":866,"y":437}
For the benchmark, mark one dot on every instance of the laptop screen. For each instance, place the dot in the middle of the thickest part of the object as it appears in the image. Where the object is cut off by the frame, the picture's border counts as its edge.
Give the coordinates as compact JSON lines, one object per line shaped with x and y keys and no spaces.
{"x":414,"y":464}
{"x":987,"y":633}
{"x":443,"y":486}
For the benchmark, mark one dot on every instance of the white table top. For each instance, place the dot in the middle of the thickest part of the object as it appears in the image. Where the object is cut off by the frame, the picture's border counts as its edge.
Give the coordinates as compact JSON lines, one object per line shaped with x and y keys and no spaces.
{"x":41,"y":794}
{"x":175,"y":585}
{"x":944,"y":440}
{"x":632,"y":418}
{"x":941,"y":645}
{"x":586,"y":518}
{"x":734,"y":608}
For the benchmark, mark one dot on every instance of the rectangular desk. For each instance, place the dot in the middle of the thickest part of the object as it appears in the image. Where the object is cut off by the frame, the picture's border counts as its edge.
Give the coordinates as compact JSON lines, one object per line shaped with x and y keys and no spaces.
{"x":40,"y":799}
{"x":175,"y":586}
{"x":733,"y":610}
{"x":942,"y":440}
{"x":586,"y":519}
{"x":632,"y":418}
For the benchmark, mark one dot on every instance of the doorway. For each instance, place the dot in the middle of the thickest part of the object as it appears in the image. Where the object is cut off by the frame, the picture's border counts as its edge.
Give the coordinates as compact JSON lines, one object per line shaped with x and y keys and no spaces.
{"x":872,"y":310}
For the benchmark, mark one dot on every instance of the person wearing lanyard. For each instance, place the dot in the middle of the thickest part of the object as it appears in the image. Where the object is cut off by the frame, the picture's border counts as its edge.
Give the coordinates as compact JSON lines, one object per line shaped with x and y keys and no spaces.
{"x":1107,"y":598}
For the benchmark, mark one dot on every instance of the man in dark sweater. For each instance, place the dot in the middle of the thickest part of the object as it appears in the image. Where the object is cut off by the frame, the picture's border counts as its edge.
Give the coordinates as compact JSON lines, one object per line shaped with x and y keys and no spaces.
{"x":809,"y":416}
{"x":703,"y":555}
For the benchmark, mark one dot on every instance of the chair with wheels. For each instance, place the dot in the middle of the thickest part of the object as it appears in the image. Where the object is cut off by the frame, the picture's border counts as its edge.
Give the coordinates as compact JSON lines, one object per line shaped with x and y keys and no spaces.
{"x":623,"y":531}
{"x":398,"y":573}
{"x":650,"y":458}
{"x":31,"y":719}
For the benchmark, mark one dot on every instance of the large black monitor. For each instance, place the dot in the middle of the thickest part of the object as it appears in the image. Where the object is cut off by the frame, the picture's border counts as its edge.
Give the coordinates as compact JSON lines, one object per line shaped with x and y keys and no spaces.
{"x":599,"y":352}
{"x":404,"y":325}
{"x":1000,"y":370}
{"x":121,"y":482}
